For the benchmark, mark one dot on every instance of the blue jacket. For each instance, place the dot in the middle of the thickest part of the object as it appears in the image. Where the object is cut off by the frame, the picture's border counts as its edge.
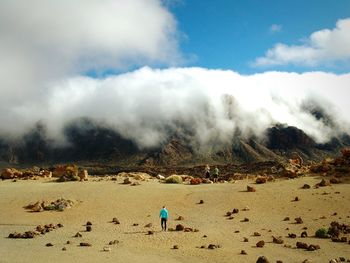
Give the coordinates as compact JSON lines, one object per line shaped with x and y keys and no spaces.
{"x":164,"y":213}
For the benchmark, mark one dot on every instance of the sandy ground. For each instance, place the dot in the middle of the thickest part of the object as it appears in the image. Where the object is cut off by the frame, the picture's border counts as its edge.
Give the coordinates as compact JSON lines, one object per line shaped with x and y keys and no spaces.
{"x":100,"y":201}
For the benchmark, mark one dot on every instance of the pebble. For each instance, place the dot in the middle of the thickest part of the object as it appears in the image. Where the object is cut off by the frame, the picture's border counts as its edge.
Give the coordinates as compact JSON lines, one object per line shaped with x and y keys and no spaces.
{"x":243,"y":252}
{"x":49,"y":245}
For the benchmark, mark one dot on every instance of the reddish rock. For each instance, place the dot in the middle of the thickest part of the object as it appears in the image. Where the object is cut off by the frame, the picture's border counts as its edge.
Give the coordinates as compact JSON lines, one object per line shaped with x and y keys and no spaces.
{"x":298,"y":220}
{"x":277,"y":240}
{"x":306,"y":186}
{"x":250,"y":189}
{"x":261,"y":180}
{"x":260,"y":244}
{"x":179,"y":227}
{"x":262,"y":259}
{"x":302,"y":245}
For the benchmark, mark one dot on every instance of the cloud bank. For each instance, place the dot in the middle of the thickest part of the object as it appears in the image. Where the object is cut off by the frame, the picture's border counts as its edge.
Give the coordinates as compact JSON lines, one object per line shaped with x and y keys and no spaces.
{"x":324,"y":46}
{"x":142,"y":105}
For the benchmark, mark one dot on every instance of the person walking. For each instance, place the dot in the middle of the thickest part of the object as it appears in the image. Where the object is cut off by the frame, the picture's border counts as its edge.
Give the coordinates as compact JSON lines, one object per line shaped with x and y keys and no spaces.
{"x":207,"y":171}
{"x":163,"y":214}
{"x":216,"y":175}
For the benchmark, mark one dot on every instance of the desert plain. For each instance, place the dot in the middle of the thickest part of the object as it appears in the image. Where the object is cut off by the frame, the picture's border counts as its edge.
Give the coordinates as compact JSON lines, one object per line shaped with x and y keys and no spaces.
{"x":99,"y":200}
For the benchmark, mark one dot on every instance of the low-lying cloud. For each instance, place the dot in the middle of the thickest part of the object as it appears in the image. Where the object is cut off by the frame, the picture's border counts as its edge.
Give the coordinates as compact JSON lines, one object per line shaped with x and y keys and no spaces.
{"x":142,"y":105}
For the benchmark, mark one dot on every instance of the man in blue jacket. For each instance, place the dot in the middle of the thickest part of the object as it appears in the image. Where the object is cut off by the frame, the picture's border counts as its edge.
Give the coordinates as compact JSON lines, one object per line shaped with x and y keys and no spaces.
{"x":163,"y":217}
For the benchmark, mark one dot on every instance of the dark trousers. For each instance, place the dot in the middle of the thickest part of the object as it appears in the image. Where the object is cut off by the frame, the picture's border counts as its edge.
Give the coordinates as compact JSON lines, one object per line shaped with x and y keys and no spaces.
{"x":163,"y":223}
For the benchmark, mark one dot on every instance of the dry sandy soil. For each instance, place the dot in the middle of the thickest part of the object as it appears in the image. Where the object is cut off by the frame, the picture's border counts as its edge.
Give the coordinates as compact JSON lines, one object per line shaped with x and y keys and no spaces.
{"x":100,"y":201}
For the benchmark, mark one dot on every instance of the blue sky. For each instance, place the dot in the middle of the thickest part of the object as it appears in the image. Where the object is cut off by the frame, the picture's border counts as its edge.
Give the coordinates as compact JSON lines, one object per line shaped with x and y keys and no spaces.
{"x":228,"y":34}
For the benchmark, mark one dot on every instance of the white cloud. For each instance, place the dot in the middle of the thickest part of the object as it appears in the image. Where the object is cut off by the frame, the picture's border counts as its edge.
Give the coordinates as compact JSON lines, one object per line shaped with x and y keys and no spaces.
{"x":43,"y":41}
{"x":142,"y":104}
{"x":275,"y":28}
{"x":324,"y":46}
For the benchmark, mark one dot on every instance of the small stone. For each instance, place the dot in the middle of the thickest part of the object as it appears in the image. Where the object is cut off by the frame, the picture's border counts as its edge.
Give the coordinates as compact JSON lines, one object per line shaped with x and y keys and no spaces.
{"x":205,"y":236}
{"x":49,"y":245}
{"x":296,"y":199}
{"x":235,"y":211}
{"x":179,"y":227}
{"x":306,"y":186}
{"x":302,"y":245}
{"x":243,"y":252}
{"x":148,"y":225}
{"x":279,"y":261}
{"x":88,"y":223}
{"x":237,"y":231}
{"x":257,"y":234}
{"x":286,"y":219}
{"x":78,"y":235}
{"x":114,"y":242}
{"x":298,"y":220}
{"x":150,"y":232}
{"x":262,"y":259}
{"x":180,"y":218}
{"x":202,"y":246}
{"x":303,"y":234}
{"x":245,"y":239}
{"x":107,"y":249}
{"x":85,"y":244}
{"x":201,"y":201}
{"x":115,"y":221}
{"x":212,"y":246}
{"x":291,"y":235}
{"x":228,"y":213}
{"x":175,"y":247}
{"x":246,"y":208}
{"x":68,"y":242}
{"x":277,"y":240}
{"x":245,"y":219}
{"x":88,"y":228}
{"x":251,"y":189}
{"x":135,"y":224}
{"x":260,"y":244}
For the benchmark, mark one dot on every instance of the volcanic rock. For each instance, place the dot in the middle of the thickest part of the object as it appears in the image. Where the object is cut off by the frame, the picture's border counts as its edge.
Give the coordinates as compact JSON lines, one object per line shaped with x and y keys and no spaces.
{"x":262,"y":259}
{"x":179,"y":227}
{"x":250,"y":189}
{"x":260,"y":244}
{"x":306,"y":186}
{"x":85,"y":244}
{"x":277,"y":240}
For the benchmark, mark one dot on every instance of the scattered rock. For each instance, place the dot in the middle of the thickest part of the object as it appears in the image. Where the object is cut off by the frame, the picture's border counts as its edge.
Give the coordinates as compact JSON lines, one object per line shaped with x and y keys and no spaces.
{"x":49,"y":245}
{"x":298,"y":220}
{"x":306,"y":186}
{"x":179,"y":227}
{"x":302,"y":245}
{"x":303,"y":234}
{"x":245,"y":220}
{"x":235,"y":211}
{"x":78,"y":235}
{"x":127,"y":181}
{"x":228,"y":213}
{"x":243,"y":252}
{"x":212,"y":246}
{"x":251,"y":189}
{"x":261,"y":180}
{"x":334,"y":181}
{"x":286,"y":219}
{"x":85,"y":244}
{"x":323,"y":183}
{"x":201,"y":202}
{"x":150,"y":232}
{"x":57,"y":205}
{"x":260,"y":244}
{"x":114,"y":242}
{"x":291,"y":235}
{"x":115,"y":221}
{"x":135,"y":224}
{"x":296,"y":199}
{"x":262,"y":259}
{"x":277,"y":240}
{"x":64,"y":249}
{"x":245,"y":239}
{"x":149,"y":225}
{"x":107,"y":249}
{"x":175,"y":247}
{"x":180,"y":218}
{"x":246,"y":208}
{"x":257,"y":234}
{"x":88,"y":228}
